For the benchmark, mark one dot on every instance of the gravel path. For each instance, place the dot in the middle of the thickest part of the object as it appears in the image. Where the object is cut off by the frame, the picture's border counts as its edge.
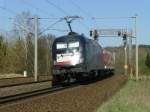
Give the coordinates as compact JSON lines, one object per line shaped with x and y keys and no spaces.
{"x":85,"y":98}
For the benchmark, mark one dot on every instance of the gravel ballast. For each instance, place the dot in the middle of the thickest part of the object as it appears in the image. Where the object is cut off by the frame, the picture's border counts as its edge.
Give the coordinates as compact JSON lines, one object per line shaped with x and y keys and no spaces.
{"x":21,"y":80}
{"x":84,"y":98}
{"x":7,"y":91}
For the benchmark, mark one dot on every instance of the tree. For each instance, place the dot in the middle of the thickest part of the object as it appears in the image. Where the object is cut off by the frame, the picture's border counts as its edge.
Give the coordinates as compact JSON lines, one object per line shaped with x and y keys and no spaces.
{"x":3,"y":52}
{"x":44,"y":54}
{"x":23,"y":33}
{"x":30,"y":54}
{"x":147,"y":61}
{"x":23,"y":24}
{"x":19,"y":57}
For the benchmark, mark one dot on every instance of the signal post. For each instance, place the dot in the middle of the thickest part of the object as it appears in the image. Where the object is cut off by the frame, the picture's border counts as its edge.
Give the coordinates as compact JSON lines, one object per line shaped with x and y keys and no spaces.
{"x":124,"y":33}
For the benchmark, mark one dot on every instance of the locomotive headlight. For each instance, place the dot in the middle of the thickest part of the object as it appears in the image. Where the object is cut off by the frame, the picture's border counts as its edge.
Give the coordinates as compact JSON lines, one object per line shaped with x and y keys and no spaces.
{"x":74,"y":50}
{"x":54,"y":62}
{"x":75,"y":59}
{"x":81,"y":60}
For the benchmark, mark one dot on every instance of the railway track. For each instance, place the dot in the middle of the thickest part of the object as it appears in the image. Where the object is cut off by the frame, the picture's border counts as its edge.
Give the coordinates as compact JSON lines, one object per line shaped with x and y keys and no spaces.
{"x":26,"y":95}
{"x":84,"y":98}
{"x":18,"y":97}
{"x":25,"y":83}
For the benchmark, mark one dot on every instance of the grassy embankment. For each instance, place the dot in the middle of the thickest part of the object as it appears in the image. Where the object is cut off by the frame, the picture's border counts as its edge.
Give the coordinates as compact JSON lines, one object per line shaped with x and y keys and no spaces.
{"x":134,"y":97}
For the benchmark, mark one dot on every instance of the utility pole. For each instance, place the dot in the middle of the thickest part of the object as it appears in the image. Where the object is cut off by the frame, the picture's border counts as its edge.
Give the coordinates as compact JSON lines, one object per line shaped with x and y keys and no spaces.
{"x":125,"y":54}
{"x":36,"y":50}
{"x":125,"y":61}
{"x":135,"y":21}
{"x":130,"y":58}
{"x":135,"y":36}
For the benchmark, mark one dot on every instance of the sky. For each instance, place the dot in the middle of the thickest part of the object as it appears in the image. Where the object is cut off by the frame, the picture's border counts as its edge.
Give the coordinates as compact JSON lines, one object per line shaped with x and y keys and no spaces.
{"x":86,"y":9}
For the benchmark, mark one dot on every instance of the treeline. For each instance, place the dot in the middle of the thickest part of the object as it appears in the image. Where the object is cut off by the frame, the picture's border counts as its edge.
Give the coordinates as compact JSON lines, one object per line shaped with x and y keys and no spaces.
{"x":144,"y":59}
{"x":18,"y":56}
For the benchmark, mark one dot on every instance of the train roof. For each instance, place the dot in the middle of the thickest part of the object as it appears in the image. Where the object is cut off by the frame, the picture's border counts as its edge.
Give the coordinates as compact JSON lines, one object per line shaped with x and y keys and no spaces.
{"x":71,"y":36}
{"x":75,"y":36}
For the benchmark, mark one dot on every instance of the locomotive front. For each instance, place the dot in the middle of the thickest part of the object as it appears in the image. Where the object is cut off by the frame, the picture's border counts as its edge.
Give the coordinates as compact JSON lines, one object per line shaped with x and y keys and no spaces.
{"x":68,"y":54}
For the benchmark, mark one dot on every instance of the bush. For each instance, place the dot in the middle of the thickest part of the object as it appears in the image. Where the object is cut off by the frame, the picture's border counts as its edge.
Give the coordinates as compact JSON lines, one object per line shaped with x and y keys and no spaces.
{"x":147,"y":61}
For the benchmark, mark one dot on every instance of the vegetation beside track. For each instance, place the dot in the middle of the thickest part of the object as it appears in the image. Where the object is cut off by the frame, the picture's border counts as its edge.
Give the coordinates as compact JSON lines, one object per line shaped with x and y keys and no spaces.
{"x":144,"y":70}
{"x":134,"y":97}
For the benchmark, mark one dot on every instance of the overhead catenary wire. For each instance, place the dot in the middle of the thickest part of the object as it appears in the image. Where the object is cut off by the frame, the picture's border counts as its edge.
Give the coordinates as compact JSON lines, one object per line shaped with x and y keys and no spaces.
{"x":7,"y":10}
{"x":50,"y":18}
{"x":79,"y":8}
{"x":36,"y":8}
{"x":112,"y":18}
{"x":89,"y":15}
{"x":84,"y":25}
{"x":73,"y":3}
{"x":64,"y":12}
{"x":29,"y":30}
{"x":22,"y":26}
{"x":59,"y":30}
{"x":12,"y":12}
{"x":57,"y":7}
{"x":50,"y":26}
{"x":105,"y":18}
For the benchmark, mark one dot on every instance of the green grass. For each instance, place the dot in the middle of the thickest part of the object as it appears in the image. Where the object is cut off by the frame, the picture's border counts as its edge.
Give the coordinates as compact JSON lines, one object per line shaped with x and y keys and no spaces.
{"x":133,"y":97}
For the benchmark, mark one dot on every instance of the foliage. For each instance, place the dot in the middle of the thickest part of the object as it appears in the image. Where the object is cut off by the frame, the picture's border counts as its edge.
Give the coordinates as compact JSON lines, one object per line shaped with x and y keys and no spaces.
{"x":147,"y":61}
{"x":29,"y":48}
{"x":119,"y":64}
{"x":3,"y":51}
{"x":23,"y":25}
{"x":19,"y":56}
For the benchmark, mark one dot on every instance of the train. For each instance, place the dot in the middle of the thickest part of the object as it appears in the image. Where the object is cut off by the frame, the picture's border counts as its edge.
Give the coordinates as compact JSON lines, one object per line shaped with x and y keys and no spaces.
{"x":76,"y":56}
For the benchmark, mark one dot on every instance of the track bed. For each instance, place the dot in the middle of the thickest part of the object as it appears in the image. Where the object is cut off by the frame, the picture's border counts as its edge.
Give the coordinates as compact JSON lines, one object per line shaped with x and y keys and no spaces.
{"x":83,"y":98}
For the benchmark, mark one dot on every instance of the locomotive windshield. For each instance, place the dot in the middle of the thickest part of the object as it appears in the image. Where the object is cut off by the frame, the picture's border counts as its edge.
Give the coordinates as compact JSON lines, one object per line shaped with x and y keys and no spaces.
{"x":73,"y":44}
{"x":70,"y":45}
{"x":68,"y":53}
{"x":61,"y":45}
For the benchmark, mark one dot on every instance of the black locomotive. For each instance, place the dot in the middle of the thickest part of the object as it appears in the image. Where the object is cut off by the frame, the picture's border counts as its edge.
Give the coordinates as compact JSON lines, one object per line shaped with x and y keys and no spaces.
{"x":75,"y":56}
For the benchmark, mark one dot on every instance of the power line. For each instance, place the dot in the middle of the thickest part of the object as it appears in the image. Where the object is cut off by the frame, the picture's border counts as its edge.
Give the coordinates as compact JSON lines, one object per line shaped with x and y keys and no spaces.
{"x":50,"y":18}
{"x":84,"y":25}
{"x":98,"y":18}
{"x":84,"y":12}
{"x":12,"y":12}
{"x":112,"y":18}
{"x":36,"y":8}
{"x":50,"y":26}
{"x":7,"y":10}
{"x":59,"y":8}
{"x":63,"y":11}
{"x":60,"y":30}
{"x":79,"y":8}
{"x":22,"y":26}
